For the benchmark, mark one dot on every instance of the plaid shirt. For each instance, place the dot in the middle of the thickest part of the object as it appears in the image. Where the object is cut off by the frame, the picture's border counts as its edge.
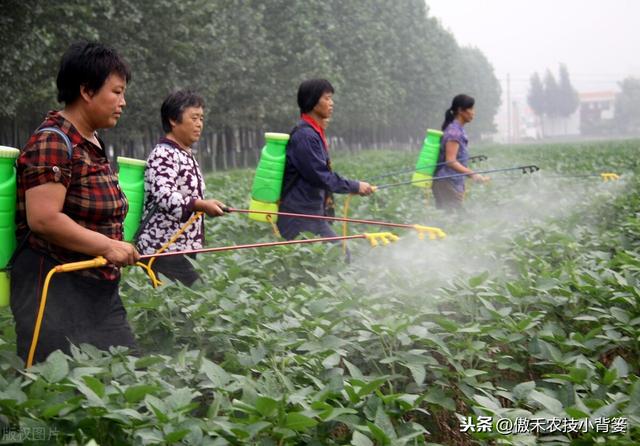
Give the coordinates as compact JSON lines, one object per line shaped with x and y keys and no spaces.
{"x":94,"y":199}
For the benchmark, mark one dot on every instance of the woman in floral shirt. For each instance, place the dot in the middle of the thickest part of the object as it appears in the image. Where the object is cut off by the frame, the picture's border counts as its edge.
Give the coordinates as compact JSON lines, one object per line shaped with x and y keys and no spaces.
{"x":174,"y":188}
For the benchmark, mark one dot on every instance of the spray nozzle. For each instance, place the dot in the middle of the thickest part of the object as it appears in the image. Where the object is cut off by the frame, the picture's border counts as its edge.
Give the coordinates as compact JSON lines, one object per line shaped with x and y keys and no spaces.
{"x":609,"y":176}
{"x":530,"y":169}
{"x":384,"y":237}
{"x":431,"y":231}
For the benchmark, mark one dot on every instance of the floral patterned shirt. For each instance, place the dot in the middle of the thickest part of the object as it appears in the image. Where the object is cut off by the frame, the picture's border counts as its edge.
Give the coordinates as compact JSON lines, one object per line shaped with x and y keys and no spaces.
{"x":172,"y":183}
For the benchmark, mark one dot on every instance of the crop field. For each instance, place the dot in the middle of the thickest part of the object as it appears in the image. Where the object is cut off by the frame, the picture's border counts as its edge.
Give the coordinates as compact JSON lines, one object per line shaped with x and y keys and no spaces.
{"x":521,"y":327}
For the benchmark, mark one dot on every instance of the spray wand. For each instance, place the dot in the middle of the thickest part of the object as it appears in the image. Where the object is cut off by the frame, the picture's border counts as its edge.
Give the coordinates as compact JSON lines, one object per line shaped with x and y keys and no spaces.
{"x":605,"y":176}
{"x":472,"y":159}
{"x":432,"y":232}
{"x":525,"y":169}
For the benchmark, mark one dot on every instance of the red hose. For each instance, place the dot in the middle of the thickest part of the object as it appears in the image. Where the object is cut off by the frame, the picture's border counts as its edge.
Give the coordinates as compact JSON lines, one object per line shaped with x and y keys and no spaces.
{"x":322,"y":217}
{"x":252,"y":245}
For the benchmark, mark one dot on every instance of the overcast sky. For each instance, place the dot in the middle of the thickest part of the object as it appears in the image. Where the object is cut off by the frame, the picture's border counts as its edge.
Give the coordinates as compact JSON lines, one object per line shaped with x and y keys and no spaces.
{"x":596,"y":39}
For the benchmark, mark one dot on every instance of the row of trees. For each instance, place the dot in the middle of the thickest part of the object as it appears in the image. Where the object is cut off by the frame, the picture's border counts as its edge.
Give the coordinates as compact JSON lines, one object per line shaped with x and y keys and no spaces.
{"x":395,"y":69}
{"x":553,"y":98}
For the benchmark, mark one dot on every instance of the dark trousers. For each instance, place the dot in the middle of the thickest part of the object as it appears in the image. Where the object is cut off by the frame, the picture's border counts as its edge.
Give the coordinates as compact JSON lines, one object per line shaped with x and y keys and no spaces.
{"x":291,"y":227}
{"x":446,"y":195}
{"x":78,"y":309}
{"x":176,"y":268}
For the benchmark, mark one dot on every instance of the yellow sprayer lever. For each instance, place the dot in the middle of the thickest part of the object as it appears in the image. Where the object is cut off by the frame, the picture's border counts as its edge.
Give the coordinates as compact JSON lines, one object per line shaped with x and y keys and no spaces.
{"x":385,"y":237}
{"x":431,"y":231}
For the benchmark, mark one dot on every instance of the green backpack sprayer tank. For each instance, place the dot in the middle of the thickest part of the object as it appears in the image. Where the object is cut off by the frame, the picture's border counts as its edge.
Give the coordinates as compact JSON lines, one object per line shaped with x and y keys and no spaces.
{"x":8,"y":156}
{"x":428,"y":158}
{"x":131,"y":179}
{"x":267,"y":183}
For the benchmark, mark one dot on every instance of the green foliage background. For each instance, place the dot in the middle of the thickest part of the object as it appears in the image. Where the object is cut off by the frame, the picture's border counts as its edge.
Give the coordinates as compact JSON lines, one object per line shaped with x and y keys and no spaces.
{"x":394,"y":67}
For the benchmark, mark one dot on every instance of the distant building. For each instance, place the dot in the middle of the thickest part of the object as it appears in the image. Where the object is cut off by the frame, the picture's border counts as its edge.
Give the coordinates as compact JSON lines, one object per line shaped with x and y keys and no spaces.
{"x":594,"y":116}
{"x":597,"y":111}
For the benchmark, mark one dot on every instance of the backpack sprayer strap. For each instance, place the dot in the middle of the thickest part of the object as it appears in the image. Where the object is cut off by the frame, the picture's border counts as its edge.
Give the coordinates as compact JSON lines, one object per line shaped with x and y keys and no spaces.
{"x":22,"y":242}
{"x":293,"y":179}
{"x":61,"y":134}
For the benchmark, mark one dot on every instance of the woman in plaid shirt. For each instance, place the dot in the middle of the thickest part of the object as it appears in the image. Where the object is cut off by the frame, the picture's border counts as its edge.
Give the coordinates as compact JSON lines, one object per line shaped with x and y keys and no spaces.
{"x":70,"y":207}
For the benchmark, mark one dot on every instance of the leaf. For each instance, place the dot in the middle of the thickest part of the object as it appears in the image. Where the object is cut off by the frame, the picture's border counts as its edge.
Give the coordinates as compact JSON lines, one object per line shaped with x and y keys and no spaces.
{"x":147,"y":361}
{"x":149,"y":436}
{"x":91,"y":397}
{"x":266,"y":406}
{"x":176,"y":436}
{"x":156,"y":406}
{"x":124,"y":416}
{"x":298,"y":422}
{"x":359,"y":439}
{"x":478,"y":280}
{"x":255,"y":428}
{"x":576,"y":413}
{"x":353,"y":370}
{"x":382,"y":420}
{"x":549,"y":351}
{"x":578,"y":375}
{"x":609,"y":376}
{"x":551,"y":404}
{"x":331,"y":361}
{"x":216,"y":374}
{"x":54,"y":410}
{"x":620,"y":366}
{"x":337,"y":412}
{"x":55,"y":367}
{"x":470,"y":373}
{"x":634,"y":398}
{"x":137,"y":393}
{"x":95,"y":385}
{"x":371,"y":386}
{"x":437,"y":396}
{"x":418,"y":372}
{"x":447,"y":324}
{"x":378,"y":434}
{"x":522,"y":390}
{"x":488,"y":403}
{"x":180,"y":398}
{"x":620,"y":314}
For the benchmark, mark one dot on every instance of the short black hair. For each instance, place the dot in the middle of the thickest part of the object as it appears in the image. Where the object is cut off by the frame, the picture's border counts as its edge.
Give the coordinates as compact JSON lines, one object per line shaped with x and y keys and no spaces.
{"x":310,"y":92}
{"x":88,"y":64}
{"x":175,"y":104}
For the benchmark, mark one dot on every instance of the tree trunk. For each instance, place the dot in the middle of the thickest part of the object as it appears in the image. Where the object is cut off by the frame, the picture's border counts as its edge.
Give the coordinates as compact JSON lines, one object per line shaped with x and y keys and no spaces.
{"x":224,"y":149}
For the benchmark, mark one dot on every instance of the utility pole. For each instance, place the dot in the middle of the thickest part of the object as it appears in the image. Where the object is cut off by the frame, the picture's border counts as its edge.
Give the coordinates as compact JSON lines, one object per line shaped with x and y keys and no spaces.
{"x":508,"y":108}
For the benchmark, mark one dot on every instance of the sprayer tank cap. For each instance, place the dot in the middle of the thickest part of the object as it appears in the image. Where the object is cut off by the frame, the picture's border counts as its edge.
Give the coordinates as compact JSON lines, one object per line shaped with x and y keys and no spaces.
{"x":9,"y":152}
{"x":277,"y":136}
{"x":131,"y":161}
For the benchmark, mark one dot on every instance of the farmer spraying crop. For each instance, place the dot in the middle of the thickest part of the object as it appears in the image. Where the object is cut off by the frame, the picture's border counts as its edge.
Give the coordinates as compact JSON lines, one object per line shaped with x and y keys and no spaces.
{"x":174,"y":189}
{"x":454,"y":155}
{"x":309,"y":179}
{"x":71,"y":208}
